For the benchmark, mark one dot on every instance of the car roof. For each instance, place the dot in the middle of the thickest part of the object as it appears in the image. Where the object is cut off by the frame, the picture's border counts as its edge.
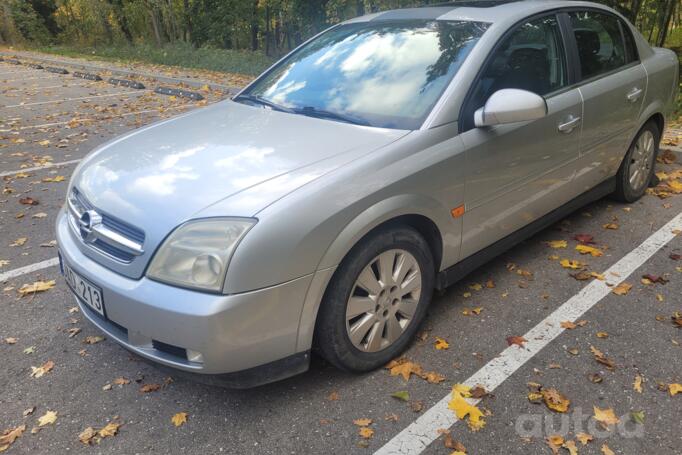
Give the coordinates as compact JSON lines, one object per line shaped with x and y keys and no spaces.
{"x":476,"y":10}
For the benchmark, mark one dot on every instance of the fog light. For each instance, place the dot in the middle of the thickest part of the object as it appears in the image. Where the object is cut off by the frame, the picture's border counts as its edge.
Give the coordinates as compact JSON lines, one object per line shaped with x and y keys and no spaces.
{"x":194,"y":356}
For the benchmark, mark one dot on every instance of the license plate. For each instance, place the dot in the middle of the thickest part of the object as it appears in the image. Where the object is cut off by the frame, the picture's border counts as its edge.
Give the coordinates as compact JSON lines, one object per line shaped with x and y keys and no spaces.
{"x":86,"y":292}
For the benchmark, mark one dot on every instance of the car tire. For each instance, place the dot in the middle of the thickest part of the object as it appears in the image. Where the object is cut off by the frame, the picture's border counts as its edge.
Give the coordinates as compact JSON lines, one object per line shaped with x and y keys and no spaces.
{"x":638,"y":166}
{"x":382,"y":308}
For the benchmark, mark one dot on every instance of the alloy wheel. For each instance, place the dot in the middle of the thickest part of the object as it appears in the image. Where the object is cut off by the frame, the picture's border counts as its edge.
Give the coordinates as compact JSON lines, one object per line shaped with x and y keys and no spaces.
{"x":642,"y":160}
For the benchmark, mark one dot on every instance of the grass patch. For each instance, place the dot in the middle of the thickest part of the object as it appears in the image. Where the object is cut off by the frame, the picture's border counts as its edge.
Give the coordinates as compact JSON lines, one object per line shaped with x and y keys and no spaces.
{"x":182,"y":55}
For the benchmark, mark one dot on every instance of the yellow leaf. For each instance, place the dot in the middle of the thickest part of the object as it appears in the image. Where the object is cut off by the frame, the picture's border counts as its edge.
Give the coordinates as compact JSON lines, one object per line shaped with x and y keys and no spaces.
{"x":38,"y":286}
{"x":602,"y":335}
{"x":637,"y":385}
{"x":38,"y":372}
{"x":433,"y":378}
{"x":44,"y":143}
{"x":612,"y":226}
{"x":555,"y":400}
{"x":557,"y":244}
{"x":19,"y":242}
{"x":462,"y":408}
{"x":569,"y":264}
{"x":674,"y":389}
{"x":605,"y":416}
{"x":585,"y":249}
{"x":606,"y":451}
{"x":570,"y":446}
{"x":622,"y":289}
{"x":475,"y":287}
{"x":366,"y":433}
{"x":49,"y":418}
{"x":462,"y":389}
{"x":568,"y":325}
{"x":11,"y":435}
{"x":86,"y":435}
{"x":404,"y":368}
{"x":179,"y":419}
{"x":441,"y":344}
{"x":110,"y":429}
{"x":584,"y":438}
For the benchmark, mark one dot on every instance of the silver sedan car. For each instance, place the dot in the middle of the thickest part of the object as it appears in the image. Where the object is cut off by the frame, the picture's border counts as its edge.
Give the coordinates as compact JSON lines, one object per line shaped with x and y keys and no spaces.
{"x":386,"y":157}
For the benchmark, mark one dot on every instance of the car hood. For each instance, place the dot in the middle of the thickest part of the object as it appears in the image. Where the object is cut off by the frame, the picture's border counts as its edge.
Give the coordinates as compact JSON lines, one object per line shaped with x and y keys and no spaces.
{"x":157,"y":177}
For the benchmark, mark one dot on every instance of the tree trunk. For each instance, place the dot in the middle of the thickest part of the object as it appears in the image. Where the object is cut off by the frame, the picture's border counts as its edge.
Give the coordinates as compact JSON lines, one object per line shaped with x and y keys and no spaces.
{"x":155,"y":26}
{"x":267,"y":30}
{"x":254,"y":26}
{"x":360,"y":7}
{"x":663,"y":31}
{"x":187,"y":21}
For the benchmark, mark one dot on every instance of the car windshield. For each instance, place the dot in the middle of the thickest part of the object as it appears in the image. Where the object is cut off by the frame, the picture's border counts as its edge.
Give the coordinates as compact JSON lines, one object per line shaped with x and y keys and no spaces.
{"x":382,"y":74}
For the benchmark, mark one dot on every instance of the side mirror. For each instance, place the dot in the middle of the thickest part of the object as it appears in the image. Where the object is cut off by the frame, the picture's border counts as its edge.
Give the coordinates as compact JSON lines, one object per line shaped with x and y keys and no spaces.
{"x":510,"y":105}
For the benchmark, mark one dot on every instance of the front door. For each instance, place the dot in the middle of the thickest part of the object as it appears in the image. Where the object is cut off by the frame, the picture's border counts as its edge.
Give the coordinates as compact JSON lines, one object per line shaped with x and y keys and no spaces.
{"x":519,"y":172}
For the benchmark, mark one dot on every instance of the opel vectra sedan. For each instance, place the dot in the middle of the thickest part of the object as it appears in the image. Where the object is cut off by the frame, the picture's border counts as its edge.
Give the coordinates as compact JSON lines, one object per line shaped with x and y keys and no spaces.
{"x":385,"y":158}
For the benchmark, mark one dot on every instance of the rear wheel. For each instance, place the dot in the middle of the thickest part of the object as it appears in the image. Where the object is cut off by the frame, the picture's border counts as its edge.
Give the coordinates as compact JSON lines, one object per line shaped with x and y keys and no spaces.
{"x":637,"y":168}
{"x":376,"y":300}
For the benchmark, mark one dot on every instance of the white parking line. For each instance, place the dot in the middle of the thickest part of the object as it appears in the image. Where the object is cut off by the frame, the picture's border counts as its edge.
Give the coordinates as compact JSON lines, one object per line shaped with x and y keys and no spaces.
{"x":39,"y":103}
{"x":422,"y":432}
{"x":38,"y":168}
{"x":28,"y":269}
{"x":38,"y":87}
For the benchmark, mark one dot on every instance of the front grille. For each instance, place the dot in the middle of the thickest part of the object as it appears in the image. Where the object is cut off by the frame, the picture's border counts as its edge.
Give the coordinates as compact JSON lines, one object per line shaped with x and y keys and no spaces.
{"x":80,"y":205}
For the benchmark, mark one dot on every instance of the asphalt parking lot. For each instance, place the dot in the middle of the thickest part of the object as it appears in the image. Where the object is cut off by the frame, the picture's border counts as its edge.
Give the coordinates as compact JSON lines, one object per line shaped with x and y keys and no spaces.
{"x":578,"y":337}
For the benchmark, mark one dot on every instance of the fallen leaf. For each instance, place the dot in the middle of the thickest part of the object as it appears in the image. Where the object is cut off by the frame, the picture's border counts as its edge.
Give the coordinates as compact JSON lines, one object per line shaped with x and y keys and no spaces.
{"x":363,"y":422}
{"x":38,"y":286}
{"x":87,"y":435}
{"x":557,"y":244}
{"x":417,"y":405}
{"x":30,"y":350}
{"x":602,"y":335}
{"x":39,"y":215}
{"x":570,"y":264}
{"x":606,"y":451}
{"x":38,"y":372}
{"x":568,"y":325}
{"x":110,"y":429}
{"x":463,"y":408}
{"x":584,"y":238}
{"x":179,"y":419}
{"x":555,"y":442}
{"x":147,"y":388}
{"x":674,"y":389}
{"x":622,"y":289}
{"x":601,"y":358}
{"x":475,"y":287}
{"x":637,"y":417}
{"x":584,"y":438}
{"x":555,"y":400}
{"x":404,"y":368}
{"x":121,"y":381}
{"x":517,"y":340}
{"x":570,"y":446}
{"x":48,"y":418}
{"x":11,"y":340}
{"x":10,"y":435}
{"x":441,"y":344}
{"x":28,"y":411}
{"x":637,"y":385}
{"x":19,"y":242}
{"x":93,"y":339}
{"x":28,"y":201}
{"x":334,"y":396}
{"x":402,"y":395}
{"x":366,"y":433}
{"x":432,"y":377}
{"x":605,"y":416}
{"x":584,"y":249}
{"x":612,"y":226}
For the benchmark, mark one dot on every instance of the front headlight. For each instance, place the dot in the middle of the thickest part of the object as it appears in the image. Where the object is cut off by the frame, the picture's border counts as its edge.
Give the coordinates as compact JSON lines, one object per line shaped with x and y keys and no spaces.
{"x":197,"y":253}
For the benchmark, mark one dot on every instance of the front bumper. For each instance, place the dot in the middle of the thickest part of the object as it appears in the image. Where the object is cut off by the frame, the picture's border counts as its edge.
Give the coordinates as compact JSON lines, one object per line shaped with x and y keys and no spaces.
{"x":234,"y":333}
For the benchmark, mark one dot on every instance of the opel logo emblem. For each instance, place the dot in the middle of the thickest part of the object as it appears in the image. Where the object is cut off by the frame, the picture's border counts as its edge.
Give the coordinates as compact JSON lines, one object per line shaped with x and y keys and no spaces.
{"x":88,"y":222}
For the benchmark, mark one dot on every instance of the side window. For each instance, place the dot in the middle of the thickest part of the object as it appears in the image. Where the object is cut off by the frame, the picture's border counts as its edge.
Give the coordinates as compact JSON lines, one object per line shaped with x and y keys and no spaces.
{"x":600,"y":42}
{"x":631,"y":53}
{"x":531,"y":58}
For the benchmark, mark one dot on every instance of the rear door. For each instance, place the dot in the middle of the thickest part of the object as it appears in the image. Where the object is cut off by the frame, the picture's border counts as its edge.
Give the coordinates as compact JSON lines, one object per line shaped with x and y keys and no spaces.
{"x":519,"y":172}
{"x":612,"y":84}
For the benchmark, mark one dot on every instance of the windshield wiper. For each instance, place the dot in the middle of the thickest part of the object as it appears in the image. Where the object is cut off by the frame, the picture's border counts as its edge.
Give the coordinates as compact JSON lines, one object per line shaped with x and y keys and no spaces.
{"x":321,"y":113}
{"x":260,"y":100}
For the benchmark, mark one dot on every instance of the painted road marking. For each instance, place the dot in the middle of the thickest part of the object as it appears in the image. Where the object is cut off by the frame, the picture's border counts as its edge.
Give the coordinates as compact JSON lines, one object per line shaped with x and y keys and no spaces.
{"x":28,"y":269}
{"x":39,"y":103}
{"x":422,"y":432}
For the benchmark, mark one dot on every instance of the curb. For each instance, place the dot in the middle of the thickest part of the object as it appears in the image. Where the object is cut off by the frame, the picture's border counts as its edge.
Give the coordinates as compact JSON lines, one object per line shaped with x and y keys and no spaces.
{"x":196,"y":83}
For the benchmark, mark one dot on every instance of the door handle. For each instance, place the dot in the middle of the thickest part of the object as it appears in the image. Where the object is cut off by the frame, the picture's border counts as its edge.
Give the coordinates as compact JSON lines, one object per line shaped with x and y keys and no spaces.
{"x":569,"y":125}
{"x":634,"y":94}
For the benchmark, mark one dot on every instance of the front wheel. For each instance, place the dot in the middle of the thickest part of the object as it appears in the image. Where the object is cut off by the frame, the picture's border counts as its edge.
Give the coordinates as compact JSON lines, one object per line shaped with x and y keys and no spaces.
{"x":376,"y":300}
{"x":637,"y":168}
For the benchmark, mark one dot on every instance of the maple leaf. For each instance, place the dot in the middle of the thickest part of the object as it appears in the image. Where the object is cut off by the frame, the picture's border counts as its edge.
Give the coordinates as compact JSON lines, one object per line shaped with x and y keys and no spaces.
{"x":605,"y":416}
{"x":674,"y":389}
{"x":584,"y":249}
{"x":179,"y":419}
{"x":517,"y":340}
{"x":555,"y":400}
{"x":87,"y":435}
{"x":571,"y":447}
{"x":606,"y":451}
{"x":404,"y":368}
{"x":363,"y":422}
{"x":555,"y":442}
{"x":110,"y":429}
{"x":462,"y":408}
{"x":557,"y":244}
{"x":441,"y":344}
{"x":48,"y":418}
{"x":432,"y":377}
{"x":584,"y":438}
{"x":37,"y":372}
{"x":366,"y":433}
{"x":622,"y":289}
{"x":38,"y":286}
